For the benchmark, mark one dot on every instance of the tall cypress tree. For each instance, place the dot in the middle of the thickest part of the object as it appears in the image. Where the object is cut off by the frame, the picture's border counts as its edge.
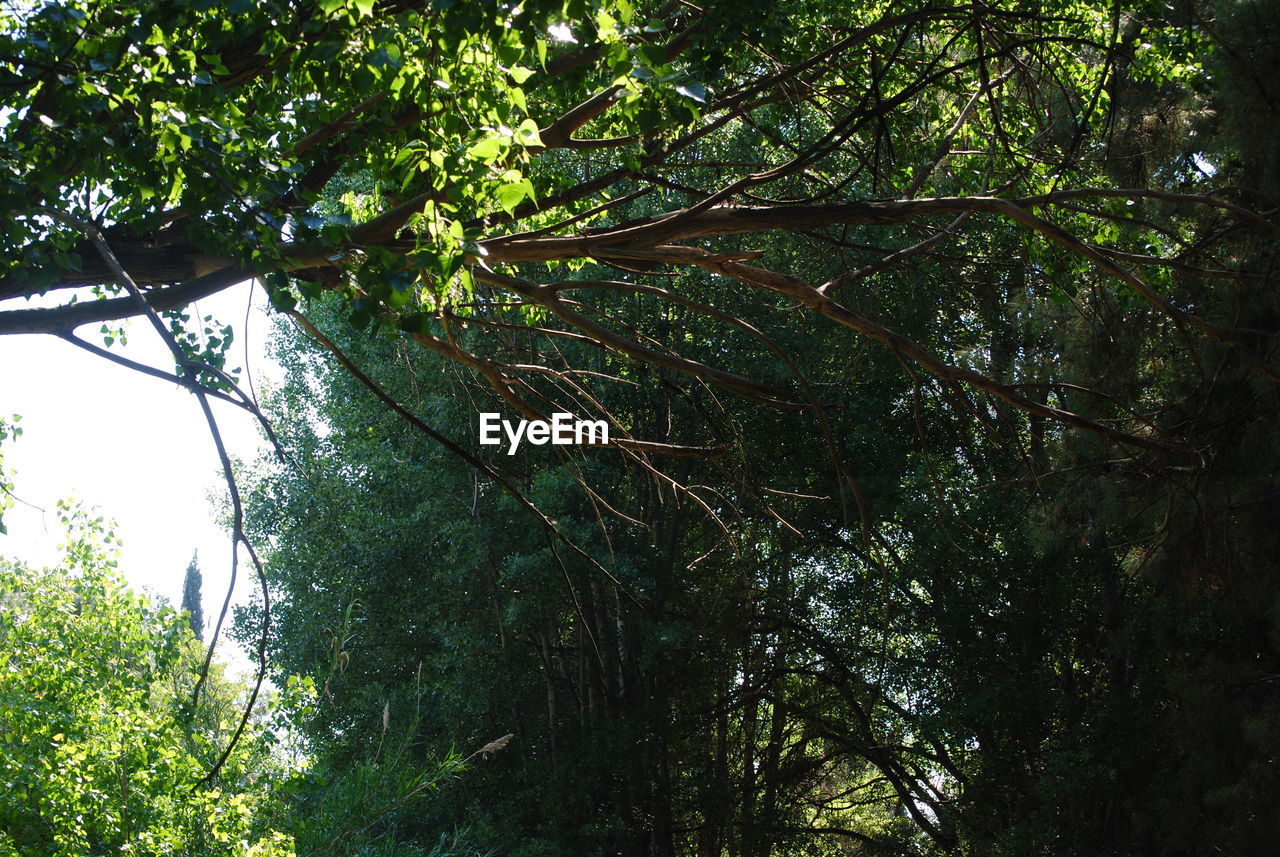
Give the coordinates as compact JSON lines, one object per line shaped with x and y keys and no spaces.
{"x":191,"y":597}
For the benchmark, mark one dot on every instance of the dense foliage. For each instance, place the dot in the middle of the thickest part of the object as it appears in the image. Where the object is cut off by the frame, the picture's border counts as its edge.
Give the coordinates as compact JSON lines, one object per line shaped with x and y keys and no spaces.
{"x":104,"y":751}
{"x":937,"y":344}
{"x":100,"y":745}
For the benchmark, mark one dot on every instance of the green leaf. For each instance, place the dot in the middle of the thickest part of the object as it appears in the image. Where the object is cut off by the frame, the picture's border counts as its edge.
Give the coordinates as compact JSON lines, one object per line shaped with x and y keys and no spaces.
{"x":654,"y":55}
{"x":511,"y":195}
{"x":283,"y":300}
{"x":693,"y":90}
{"x":649,"y":119}
{"x":487,"y":150}
{"x":527,"y":134}
{"x":415,"y":322}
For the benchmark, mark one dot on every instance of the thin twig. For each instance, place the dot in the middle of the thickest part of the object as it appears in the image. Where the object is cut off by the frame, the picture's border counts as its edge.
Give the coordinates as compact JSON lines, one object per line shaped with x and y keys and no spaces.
{"x":238,"y":537}
{"x":502,"y":482}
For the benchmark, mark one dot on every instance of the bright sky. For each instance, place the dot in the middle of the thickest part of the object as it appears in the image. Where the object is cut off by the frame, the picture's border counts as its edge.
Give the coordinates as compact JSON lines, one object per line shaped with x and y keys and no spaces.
{"x":134,"y":446}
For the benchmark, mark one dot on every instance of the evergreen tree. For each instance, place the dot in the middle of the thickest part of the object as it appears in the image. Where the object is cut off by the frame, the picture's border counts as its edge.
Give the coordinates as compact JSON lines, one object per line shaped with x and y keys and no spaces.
{"x":191,"y":597}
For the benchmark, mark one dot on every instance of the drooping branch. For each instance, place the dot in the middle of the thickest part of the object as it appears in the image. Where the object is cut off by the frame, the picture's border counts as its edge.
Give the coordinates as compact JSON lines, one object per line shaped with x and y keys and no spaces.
{"x":238,"y":536}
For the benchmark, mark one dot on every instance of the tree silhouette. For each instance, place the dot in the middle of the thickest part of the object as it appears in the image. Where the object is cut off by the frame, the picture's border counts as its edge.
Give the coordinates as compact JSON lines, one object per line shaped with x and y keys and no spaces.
{"x":191,"y":596}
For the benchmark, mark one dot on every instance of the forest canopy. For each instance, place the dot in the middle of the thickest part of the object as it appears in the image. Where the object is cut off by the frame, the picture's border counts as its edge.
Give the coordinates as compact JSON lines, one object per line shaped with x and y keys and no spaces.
{"x":936,"y":344}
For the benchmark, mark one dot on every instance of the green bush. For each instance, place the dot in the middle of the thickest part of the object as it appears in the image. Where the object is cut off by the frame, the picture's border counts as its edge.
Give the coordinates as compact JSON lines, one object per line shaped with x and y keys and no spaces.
{"x":101,"y":750}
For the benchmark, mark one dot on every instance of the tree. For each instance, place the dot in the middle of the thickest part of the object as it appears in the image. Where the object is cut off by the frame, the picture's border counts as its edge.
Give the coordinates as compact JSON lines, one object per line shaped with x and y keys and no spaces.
{"x":214,"y":158}
{"x":191,"y":598}
{"x":938,"y":345}
{"x":101,"y":743}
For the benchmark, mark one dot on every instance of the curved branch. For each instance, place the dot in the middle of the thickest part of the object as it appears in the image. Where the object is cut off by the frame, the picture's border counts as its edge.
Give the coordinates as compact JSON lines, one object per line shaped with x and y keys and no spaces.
{"x":238,"y":536}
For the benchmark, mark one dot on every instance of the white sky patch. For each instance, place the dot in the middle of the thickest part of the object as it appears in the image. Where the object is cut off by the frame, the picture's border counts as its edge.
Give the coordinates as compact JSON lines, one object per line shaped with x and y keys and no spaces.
{"x":136,"y":447}
{"x":561,"y":33}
